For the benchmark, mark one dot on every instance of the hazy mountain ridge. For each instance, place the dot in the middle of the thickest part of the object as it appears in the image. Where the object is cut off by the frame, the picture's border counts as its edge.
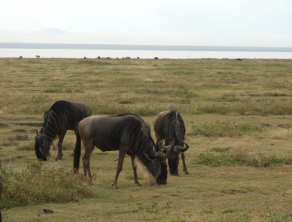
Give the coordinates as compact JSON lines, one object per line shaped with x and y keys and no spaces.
{"x":62,"y":39}
{"x":140,"y":47}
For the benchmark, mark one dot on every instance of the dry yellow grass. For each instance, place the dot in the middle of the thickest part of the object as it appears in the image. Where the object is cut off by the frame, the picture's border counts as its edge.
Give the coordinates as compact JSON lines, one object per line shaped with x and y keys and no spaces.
{"x":252,"y":92}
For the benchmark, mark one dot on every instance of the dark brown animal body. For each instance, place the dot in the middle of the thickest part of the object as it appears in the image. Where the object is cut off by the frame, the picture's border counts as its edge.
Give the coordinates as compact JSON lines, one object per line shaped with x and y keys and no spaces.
{"x":127,"y":133}
{"x":169,"y":127}
{"x":61,"y":117}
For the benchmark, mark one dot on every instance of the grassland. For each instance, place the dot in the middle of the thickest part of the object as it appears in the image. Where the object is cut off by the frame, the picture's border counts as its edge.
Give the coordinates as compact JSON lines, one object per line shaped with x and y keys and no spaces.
{"x":238,"y":116}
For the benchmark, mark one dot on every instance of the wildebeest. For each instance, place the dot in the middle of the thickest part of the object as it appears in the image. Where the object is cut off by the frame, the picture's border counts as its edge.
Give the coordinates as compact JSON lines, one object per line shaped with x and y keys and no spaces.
{"x":127,"y":133}
{"x":169,"y":127}
{"x":62,"y":116}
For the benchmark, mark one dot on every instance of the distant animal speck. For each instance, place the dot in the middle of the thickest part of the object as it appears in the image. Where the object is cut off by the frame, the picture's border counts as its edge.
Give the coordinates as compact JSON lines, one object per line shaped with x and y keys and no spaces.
{"x":47,"y":211}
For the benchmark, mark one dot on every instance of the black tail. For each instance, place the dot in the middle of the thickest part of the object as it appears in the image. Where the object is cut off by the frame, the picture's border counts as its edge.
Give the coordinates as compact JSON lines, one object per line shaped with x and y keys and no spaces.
{"x":77,"y":152}
{"x":38,"y":153}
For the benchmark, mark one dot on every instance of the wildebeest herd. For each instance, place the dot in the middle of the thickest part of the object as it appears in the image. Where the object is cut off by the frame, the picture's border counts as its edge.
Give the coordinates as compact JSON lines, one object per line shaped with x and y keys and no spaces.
{"x":127,"y":133}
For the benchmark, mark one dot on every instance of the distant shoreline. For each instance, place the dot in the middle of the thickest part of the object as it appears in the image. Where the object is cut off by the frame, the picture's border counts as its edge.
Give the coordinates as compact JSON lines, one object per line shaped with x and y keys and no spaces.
{"x":140,"y":47}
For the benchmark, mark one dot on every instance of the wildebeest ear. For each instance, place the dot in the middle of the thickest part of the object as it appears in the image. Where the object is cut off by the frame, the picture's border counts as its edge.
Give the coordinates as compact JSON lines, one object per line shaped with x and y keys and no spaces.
{"x":37,"y":132}
{"x":38,"y":138}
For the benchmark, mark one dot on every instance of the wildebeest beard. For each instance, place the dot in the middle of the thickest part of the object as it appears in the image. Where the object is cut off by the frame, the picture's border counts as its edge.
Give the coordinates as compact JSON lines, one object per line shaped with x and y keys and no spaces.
{"x":157,"y":167}
{"x":42,"y":144}
{"x":173,"y":160}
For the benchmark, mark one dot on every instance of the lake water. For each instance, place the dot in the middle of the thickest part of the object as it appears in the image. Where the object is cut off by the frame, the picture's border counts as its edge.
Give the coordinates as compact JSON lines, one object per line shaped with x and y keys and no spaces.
{"x":143,"y":52}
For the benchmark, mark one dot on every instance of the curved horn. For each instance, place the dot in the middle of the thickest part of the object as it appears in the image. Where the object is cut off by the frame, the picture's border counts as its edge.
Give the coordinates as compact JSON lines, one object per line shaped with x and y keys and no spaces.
{"x":160,"y":155}
{"x":38,"y":138}
{"x":164,"y":148}
{"x":155,"y":154}
{"x":181,"y":148}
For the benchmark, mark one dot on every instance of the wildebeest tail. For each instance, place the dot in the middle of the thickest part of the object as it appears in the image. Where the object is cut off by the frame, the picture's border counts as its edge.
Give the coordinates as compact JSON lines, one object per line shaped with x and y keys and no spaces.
{"x":38,"y":153}
{"x":77,"y":152}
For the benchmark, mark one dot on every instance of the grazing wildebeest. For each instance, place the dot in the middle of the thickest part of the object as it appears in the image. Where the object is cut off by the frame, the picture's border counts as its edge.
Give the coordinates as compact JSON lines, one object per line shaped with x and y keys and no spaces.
{"x":127,"y":133}
{"x":169,"y":127}
{"x":61,"y":117}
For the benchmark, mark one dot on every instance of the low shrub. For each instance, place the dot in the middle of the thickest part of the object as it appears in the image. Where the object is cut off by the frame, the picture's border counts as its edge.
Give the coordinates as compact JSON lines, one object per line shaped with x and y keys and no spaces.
{"x":39,"y":183}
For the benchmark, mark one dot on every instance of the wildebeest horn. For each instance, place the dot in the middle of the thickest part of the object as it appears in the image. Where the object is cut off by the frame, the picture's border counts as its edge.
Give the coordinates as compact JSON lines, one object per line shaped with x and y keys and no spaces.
{"x":181,"y":148}
{"x":38,"y":138}
{"x":164,"y":148}
{"x":155,"y":154}
{"x":160,"y":155}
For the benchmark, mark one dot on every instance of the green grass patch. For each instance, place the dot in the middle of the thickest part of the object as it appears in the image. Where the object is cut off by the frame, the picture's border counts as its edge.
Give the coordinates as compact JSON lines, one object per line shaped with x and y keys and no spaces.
{"x":241,"y":158}
{"x":27,"y":146}
{"x":131,"y":177}
{"x":224,"y":129}
{"x":262,"y":106}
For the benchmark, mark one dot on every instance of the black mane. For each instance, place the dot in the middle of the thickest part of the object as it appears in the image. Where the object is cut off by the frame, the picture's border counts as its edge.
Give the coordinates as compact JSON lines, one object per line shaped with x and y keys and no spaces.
{"x":60,"y":112}
{"x":135,"y":128}
{"x":176,"y":127}
{"x":140,"y":141}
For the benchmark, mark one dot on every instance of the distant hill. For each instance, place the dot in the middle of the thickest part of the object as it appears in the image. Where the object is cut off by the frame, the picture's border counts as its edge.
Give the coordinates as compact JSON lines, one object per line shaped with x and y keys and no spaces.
{"x":141,"y":47}
{"x":158,"y":41}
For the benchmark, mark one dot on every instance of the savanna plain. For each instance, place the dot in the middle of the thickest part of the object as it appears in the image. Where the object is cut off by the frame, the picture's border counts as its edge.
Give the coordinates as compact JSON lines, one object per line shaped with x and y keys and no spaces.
{"x":238,"y":117}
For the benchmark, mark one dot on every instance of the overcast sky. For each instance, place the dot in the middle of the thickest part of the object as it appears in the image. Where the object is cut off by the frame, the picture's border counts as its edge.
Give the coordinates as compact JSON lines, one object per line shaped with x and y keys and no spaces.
{"x":170,"y":22}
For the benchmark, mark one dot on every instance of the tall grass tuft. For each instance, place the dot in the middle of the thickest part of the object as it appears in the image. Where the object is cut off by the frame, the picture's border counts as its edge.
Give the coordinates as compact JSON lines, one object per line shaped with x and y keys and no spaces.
{"x":40,"y":183}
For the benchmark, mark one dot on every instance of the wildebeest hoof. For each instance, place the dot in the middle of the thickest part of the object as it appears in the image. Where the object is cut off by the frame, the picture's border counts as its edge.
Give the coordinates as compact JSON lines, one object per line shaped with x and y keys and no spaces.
{"x":47,"y":211}
{"x":58,"y":158}
{"x":187,"y":173}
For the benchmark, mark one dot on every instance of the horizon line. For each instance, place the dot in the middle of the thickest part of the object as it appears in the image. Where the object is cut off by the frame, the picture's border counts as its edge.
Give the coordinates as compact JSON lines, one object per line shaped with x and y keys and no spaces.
{"x":105,"y":46}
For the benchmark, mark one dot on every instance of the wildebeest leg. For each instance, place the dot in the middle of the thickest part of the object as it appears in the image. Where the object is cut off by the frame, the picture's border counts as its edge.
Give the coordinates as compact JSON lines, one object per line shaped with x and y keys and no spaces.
{"x":88,"y":146}
{"x":122,"y":154}
{"x":135,"y":170}
{"x":61,"y":138}
{"x":77,"y":136}
{"x":184,"y":163}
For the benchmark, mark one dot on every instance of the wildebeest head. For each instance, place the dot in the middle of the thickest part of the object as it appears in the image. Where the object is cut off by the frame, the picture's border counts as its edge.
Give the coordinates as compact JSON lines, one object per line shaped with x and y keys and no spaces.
{"x":42,"y":146}
{"x":172,"y":153}
{"x":158,"y":158}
